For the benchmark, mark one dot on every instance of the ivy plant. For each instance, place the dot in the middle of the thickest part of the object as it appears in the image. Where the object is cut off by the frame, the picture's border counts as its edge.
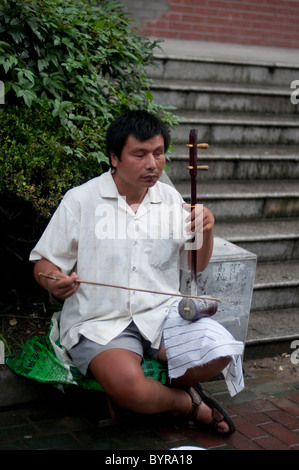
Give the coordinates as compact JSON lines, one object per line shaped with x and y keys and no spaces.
{"x":68,"y":67}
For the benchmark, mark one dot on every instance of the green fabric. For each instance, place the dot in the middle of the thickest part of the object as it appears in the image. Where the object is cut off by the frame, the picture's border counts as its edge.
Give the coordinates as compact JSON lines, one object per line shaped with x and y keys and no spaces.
{"x":38,"y":361}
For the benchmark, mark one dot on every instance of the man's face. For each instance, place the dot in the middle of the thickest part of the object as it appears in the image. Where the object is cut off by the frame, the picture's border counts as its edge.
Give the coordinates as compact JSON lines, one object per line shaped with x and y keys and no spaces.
{"x":141,"y":163}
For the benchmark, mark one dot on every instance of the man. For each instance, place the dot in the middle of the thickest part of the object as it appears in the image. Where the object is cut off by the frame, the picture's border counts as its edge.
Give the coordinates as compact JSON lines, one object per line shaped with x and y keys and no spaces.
{"x":126,"y":228}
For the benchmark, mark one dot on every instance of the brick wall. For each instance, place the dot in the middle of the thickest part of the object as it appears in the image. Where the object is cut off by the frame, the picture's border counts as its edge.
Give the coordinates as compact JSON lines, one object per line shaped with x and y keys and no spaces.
{"x":257,"y":22}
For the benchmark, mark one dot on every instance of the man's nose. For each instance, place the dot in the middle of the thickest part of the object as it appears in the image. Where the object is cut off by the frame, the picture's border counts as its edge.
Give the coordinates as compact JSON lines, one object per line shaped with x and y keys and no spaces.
{"x":151,"y":161}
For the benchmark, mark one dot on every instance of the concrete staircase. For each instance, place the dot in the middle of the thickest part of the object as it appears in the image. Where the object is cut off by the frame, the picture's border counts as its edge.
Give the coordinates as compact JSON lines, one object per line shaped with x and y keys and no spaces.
{"x":242,"y":108}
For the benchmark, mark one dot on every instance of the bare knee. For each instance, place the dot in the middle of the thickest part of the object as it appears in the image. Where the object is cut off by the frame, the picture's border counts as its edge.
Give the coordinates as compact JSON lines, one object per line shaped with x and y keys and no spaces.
{"x":123,"y":380}
{"x":127,"y":390}
{"x":203,"y":373}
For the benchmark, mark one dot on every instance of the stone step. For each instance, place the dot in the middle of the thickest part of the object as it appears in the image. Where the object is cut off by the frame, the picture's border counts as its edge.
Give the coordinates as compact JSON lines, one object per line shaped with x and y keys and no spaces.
{"x":238,"y":128}
{"x":231,"y":201}
{"x":180,"y":66}
{"x":272,"y":332}
{"x":236,"y":163}
{"x":241,"y":105}
{"x":276,"y":286}
{"x":270,"y":240}
{"x":273,"y":324}
{"x":223,"y":97}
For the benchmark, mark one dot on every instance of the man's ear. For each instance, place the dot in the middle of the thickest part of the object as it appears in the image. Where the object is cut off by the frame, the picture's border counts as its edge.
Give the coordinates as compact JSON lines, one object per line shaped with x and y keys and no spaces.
{"x":114,"y":159}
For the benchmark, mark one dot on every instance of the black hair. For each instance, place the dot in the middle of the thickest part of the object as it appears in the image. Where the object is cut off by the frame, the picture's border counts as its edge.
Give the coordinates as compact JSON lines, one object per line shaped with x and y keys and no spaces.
{"x":141,"y":124}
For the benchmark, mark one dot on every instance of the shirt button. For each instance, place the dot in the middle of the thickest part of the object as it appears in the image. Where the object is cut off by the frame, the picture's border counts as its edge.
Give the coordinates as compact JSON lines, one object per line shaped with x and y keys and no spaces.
{"x":134,"y":268}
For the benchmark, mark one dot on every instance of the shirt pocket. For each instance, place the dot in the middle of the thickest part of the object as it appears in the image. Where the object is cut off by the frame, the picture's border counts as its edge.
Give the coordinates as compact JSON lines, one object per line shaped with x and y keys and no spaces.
{"x":163,"y":254}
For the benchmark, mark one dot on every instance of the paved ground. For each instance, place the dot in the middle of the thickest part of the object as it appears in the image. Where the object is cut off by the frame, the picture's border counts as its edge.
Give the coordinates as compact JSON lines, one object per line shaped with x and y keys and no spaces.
{"x":266,"y":415}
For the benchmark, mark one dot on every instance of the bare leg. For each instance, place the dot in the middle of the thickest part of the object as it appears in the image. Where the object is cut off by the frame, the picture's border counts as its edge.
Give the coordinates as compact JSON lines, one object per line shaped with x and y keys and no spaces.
{"x":121,"y":376}
{"x":198,"y":374}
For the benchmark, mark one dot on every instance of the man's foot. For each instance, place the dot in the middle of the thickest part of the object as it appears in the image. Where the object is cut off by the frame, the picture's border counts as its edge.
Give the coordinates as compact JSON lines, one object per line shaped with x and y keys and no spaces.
{"x":207,"y":413}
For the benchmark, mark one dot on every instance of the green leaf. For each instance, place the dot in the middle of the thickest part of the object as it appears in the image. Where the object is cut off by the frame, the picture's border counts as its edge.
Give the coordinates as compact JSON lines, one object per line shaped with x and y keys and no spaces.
{"x":42,"y":64}
{"x":28,"y":74}
{"x":34,"y":27}
{"x":6,"y":65}
{"x":149,"y":96}
{"x":28,"y":96}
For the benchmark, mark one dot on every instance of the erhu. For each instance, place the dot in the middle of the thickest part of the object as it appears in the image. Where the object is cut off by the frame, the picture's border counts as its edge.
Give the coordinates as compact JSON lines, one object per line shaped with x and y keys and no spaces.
{"x":193,"y":308}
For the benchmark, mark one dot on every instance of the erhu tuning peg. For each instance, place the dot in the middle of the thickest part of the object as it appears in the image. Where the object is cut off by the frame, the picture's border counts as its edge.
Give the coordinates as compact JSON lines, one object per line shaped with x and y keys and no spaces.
{"x":200,"y":167}
{"x":199,"y":146}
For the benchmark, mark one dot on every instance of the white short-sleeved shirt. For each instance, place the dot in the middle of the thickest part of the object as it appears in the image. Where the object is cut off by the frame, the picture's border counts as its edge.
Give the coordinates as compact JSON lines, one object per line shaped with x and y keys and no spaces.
{"x":96,"y":234}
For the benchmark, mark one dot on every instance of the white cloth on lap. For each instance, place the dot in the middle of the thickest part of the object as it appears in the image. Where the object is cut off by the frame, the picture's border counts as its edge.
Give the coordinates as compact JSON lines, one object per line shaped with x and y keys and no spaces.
{"x":189,"y":345}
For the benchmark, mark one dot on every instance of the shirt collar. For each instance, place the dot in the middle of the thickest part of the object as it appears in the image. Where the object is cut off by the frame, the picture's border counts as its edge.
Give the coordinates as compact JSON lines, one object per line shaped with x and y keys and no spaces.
{"x":107,"y":186}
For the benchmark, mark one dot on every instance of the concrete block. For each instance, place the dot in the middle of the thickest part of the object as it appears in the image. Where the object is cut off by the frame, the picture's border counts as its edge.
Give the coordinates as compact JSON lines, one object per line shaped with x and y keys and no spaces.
{"x":229,"y":277}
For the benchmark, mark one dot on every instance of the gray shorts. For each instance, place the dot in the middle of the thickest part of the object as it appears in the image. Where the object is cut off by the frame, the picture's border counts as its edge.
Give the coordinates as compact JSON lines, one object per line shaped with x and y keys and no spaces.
{"x":85,"y":350}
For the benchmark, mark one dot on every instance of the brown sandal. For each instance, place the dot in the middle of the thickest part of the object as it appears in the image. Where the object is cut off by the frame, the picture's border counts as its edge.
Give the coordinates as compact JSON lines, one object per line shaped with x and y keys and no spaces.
{"x":218,"y":413}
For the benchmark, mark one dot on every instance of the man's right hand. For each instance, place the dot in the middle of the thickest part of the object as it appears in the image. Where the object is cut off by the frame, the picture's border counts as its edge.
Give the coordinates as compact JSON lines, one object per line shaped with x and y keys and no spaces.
{"x":62,"y":287}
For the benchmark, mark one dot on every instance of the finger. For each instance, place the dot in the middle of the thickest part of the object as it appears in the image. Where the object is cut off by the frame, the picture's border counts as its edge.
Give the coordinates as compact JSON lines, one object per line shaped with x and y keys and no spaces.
{"x":65,"y":280}
{"x":65,"y":286}
{"x":208,"y":220}
{"x":196,"y":223}
{"x":194,"y":211}
{"x":187,"y":207}
{"x":68,"y":293}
